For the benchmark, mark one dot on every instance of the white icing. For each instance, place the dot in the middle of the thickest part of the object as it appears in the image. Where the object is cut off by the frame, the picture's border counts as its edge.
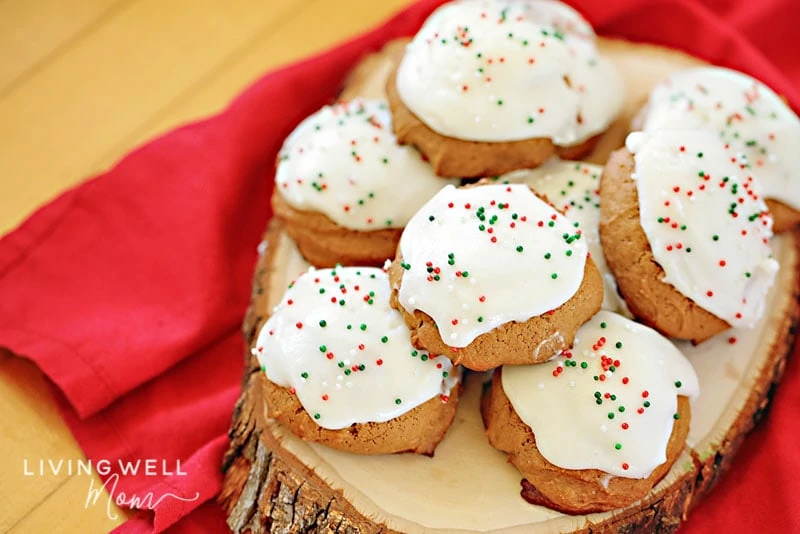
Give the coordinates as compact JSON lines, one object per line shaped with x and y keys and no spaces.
{"x":489,"y":70}
{"x":573,"y":429}
{"x":476,"y":265}
{"x":344,"y":161}
{"x":692,"y":189}
{"x":331,"y":322}
{"x":744,"y":112}
{"x":572,"y":188}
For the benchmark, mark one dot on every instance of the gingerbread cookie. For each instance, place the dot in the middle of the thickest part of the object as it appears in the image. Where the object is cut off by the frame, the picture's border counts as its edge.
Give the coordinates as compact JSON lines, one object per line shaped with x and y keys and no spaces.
{"x":686,"y":234}
{"x":597,"y":427}
{"x":487,"y":87}
{"x":572,"y":188}
{"x":757,"y":123}
{"x":491,"y":275}
{"x":340,"y":368}
{"x":345,"y":188}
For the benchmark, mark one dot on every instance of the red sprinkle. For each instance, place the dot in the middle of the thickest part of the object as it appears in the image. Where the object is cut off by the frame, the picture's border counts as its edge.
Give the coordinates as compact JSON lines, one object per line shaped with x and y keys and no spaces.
{"x":379,"y":362}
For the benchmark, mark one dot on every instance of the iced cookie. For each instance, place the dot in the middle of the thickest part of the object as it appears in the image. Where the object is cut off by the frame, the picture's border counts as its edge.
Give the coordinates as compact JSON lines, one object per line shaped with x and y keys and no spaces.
{"x":492,"y":275}
{"x":345,"y":188}
{"x":487,"y":87}
{"x":686,"y":233}
{"x":597,"y":427}
{"x":572,"y":188}
{"x":341,"y":369}
{"x":761,"y":129}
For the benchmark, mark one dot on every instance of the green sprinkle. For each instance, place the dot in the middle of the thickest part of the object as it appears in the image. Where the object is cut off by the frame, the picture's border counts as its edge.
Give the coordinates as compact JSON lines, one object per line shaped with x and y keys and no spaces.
{"x":323,"y":323}
{"x":519,"y":248}
{"x":554,"y":276}
{"x":619,"y":344}
{"x":323,"y":348}
{"x":621,"y":409}
{"x":611,"y":415}
{"x":646,"y":404}
{"x":398,"y":401}
{"x":603,"y":324}
{"x":547,"y":256}
{"x":618,"y":446}
{"x":584,"y":365}
{"x":676,"y":416}
{"x":384,"y":339}
{"x":316,"y":416}
{"x":678,"y":383}
{"x":304,"y":375}
{"x":363,"y":327}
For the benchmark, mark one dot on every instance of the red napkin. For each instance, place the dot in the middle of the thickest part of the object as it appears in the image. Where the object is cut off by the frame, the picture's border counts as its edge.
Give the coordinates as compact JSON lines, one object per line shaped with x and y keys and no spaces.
{"x":129,"y":290}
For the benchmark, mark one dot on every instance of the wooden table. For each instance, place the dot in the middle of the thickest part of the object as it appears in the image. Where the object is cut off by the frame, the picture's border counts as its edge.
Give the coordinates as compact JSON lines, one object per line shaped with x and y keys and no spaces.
{"x":82,"y":82}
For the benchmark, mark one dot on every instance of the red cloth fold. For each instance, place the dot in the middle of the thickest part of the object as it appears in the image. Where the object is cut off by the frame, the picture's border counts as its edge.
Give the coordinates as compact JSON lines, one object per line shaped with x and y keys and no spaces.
{"x":128,"y":291}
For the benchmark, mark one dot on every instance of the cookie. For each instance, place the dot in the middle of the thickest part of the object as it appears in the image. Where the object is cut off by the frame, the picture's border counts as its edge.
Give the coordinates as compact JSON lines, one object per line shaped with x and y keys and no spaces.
{"x":492,"y":275}
{"x":340,"y":368}
{"x":686,"y":233}
{"x":596,"y":428}
{"x":572,"y":188}
{"x":345,"y":188}
{"x":487,"y":87}
{"x":756,"y":122}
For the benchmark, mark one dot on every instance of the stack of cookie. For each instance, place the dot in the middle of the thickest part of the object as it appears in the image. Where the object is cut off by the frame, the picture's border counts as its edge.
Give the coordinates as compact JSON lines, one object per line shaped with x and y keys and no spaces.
{"x":500,"y":254}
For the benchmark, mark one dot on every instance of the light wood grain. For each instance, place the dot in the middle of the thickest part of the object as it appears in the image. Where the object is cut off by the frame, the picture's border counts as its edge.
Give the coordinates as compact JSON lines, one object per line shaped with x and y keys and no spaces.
{"x":35,"y":31}
{"x":82,"y":83}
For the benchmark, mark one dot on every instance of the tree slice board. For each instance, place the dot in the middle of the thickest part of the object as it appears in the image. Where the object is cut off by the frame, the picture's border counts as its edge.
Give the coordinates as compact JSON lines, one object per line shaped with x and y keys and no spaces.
{"x":275,"y":482}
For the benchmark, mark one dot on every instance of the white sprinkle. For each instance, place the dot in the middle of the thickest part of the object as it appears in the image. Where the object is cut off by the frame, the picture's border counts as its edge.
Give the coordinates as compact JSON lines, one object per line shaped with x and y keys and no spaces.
{"x":347,"y":362}
{"x":412,"y":301}
{"x":454,"y":336}
{"x":541,"y":385}
{"x":572,"y":383}
{"x":349,"y":385}
{"x":324,"y":383}
{"x":603,"y":428}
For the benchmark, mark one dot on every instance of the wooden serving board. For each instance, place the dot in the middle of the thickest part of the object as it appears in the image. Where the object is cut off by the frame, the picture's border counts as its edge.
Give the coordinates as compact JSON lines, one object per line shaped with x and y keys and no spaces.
{"x":275,"y":482}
